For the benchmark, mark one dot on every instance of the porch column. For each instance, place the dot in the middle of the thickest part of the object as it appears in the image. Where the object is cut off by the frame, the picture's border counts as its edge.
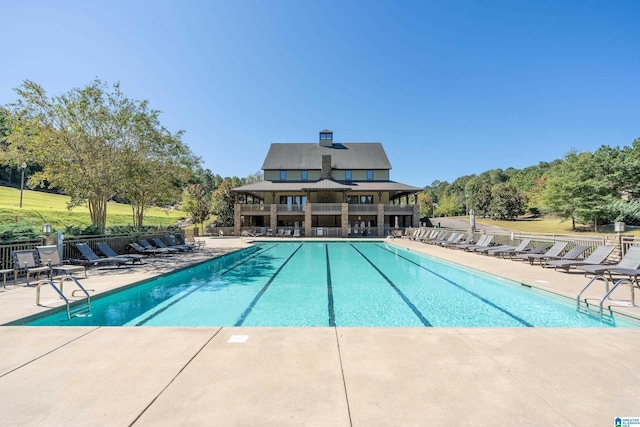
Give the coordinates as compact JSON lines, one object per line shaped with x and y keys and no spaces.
{"x":236,"y":219}
{"x":380,"y":219}
{"x":273,"y":220}
{"x":307,"y":219}
{"x":345,"y":220}
{"x":416,"y":215}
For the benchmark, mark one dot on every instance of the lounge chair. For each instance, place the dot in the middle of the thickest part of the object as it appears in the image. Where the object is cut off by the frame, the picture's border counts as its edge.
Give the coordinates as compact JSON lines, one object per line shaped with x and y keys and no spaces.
{"x":572,"y":255}
{"x":629,"y":262}
{"x":27,"y":261}
{"x":497,"y":251}
{"x":454,"y":238}
{"x":553,"y":251}
{"x":486,"y":249}
{"x":147,"y":251}
{"x":441,"y":237}
{"x":412,"y":234}
{"x":426,"y":236}
{"x":458,"y":240}
{"x":535,"y":250}
{"x":280,"y":232}
{"x":50,"y":256}
{"x":145,"y":244}
{"x":171,"y":242}
{"x":90,"y":257}
{"x":296,"y":232}
{"x":466,"y":241}
{"x":597,"y":257}
{"x":482,"y":243}
{"x":287,"y":233}
{"x":270,"y":232}
{"x":190,"y":240}
{"x":480,"y":240}
{"x":162,"y":245}
{"x":109,"y":252}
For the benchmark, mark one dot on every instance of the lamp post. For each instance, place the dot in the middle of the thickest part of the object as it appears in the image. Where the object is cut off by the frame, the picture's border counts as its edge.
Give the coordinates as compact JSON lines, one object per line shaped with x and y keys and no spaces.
{"x":466,"y":200}
{"x":24,"y":166}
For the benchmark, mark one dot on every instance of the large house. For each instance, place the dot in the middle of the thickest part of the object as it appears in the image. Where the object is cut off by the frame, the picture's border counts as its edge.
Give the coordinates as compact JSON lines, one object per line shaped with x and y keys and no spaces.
{"x":326,"y":189}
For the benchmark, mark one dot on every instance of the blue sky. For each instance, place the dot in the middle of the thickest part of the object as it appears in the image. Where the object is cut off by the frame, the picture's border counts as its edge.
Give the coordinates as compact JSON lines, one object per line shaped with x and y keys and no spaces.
{"x":450,"y":88}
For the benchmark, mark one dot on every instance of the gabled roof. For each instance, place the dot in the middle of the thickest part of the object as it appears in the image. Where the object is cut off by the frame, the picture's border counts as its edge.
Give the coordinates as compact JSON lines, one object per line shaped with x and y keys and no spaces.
{"x":304,"y":156}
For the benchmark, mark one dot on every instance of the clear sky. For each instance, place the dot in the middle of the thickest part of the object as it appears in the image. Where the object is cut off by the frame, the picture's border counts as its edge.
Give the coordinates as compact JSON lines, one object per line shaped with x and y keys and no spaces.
{"x":450,"y":88}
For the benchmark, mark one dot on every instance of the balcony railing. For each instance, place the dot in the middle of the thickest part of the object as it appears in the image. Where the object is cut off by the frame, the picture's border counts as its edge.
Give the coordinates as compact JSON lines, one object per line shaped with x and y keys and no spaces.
{"x":247,"y":209}
{"x":363,"y":208}
{"x":326,"y":208}
{"x":293,"y":208}
{"x":398,"y":209}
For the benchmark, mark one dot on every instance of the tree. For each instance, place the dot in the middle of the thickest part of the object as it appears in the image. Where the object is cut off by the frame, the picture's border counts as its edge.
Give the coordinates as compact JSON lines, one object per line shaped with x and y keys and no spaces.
{"x":85,"y":139}
{"x":425,"y":202}
{"x":482,"y":201}
{"x":506,"y":202}
{"x":448,"y":204}
{"x":577,"y":190}
{"x":223,"y":203}
{"x":197,"y":203}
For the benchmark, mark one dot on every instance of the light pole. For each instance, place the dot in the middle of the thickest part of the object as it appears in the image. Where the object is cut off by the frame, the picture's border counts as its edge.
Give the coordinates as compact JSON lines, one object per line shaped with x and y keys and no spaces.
{"x":24,"y":166}
{"x":466,"y":199}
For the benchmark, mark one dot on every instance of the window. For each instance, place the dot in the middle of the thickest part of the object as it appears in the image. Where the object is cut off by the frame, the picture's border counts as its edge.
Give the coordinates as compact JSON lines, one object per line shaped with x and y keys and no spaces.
{"x":369,"y":175}
{"x":366,"y":200}
{"x":283,"y":175}
{"x":305,"y":175}
{"x":326,"y":136}
{"x":347,"y":175}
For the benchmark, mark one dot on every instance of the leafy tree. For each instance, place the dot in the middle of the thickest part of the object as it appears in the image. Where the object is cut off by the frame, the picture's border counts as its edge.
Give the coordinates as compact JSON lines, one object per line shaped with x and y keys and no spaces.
{"x":223,"y":201}
{"x":86,"y":140}
{"x":506,"y":202}
{"x":425,"y":202}
{"x":629,"y":212}
{"x":482,"y":201}
{"x":197,"y":203}
{"x":448,"y":204}
{"x":577,"y":190}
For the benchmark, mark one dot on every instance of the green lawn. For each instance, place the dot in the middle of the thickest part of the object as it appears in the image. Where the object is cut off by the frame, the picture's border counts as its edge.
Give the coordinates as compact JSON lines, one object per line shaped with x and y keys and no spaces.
{"x":550,"y":226}
{"x":39,"y":208}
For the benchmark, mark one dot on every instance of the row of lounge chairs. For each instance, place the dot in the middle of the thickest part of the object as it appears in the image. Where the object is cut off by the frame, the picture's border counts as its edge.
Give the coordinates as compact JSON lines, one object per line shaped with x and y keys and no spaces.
{"x":281,"y":232}
{"x":548,"y":255}
{"x":46,"y":260}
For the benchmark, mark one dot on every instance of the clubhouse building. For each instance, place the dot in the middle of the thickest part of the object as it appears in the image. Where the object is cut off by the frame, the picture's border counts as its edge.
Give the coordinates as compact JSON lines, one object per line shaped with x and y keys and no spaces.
{"x":326,"y":189}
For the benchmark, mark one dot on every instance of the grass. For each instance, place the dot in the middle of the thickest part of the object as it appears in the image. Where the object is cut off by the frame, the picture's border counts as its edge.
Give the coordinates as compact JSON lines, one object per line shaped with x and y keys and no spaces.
{"x":550,"y":226}
{"x":39,"y":208}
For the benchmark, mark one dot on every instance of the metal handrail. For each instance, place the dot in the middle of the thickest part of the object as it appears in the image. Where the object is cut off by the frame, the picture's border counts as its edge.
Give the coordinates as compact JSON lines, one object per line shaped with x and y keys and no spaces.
{"x":58,"y":291}
{"x":632,"y":282}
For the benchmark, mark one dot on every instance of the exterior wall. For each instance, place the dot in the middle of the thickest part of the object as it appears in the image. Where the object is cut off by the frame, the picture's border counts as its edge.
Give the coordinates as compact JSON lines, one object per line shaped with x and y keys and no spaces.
{"x":361,"y":174}
{"x":296,"y":175}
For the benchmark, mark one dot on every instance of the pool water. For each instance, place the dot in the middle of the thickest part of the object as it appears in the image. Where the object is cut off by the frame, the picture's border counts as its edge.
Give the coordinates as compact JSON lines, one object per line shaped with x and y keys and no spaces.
{"x":369,"y":284}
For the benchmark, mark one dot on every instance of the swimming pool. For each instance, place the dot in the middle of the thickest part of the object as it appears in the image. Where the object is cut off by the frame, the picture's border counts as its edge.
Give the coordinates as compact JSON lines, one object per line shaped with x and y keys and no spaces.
{"x":369,"y":284}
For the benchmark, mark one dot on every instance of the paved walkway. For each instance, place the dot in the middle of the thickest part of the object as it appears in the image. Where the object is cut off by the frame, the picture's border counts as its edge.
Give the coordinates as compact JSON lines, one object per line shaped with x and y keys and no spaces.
{"x":120,"y":376}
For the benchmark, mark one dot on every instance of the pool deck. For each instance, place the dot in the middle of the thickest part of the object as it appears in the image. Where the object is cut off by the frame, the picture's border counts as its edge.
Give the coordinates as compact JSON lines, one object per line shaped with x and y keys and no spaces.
{"x":314,"y":376}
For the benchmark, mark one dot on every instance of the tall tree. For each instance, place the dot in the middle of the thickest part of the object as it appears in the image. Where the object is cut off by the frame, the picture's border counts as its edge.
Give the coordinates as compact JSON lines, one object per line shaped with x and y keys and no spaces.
{"x":223,"y":202}
{"x":83,"y":138}
{"x":506,"y":202}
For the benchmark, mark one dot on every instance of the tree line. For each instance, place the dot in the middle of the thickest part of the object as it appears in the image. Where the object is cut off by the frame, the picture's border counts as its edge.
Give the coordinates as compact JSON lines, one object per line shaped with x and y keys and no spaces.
{"x":591,"y":188}
{"x":96,"y":145}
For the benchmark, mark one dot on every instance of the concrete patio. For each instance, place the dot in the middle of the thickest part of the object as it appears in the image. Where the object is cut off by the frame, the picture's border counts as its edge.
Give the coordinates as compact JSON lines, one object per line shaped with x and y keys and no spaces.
{"x":314,"y":376}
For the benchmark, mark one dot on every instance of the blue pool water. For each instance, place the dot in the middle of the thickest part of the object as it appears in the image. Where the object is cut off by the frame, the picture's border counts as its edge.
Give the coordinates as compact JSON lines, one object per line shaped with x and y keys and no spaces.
{"x":370,"y":284}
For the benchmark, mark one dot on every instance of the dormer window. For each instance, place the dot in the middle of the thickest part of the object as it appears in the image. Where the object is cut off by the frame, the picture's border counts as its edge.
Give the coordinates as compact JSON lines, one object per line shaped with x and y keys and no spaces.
{"x":283,"y":175}
{"x":305,"y":175}
{"x":326,"y":135}
{"x":347,"y":175}
{"x":370,"y":175}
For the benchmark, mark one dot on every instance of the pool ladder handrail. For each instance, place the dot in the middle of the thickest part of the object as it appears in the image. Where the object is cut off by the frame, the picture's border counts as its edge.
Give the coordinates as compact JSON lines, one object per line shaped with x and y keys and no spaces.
{"x":632,"y":282}
{"x":60,"y":292}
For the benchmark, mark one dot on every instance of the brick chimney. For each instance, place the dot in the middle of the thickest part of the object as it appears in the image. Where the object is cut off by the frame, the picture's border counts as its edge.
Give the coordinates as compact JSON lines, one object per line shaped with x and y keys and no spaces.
{"x":325,"y":172}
